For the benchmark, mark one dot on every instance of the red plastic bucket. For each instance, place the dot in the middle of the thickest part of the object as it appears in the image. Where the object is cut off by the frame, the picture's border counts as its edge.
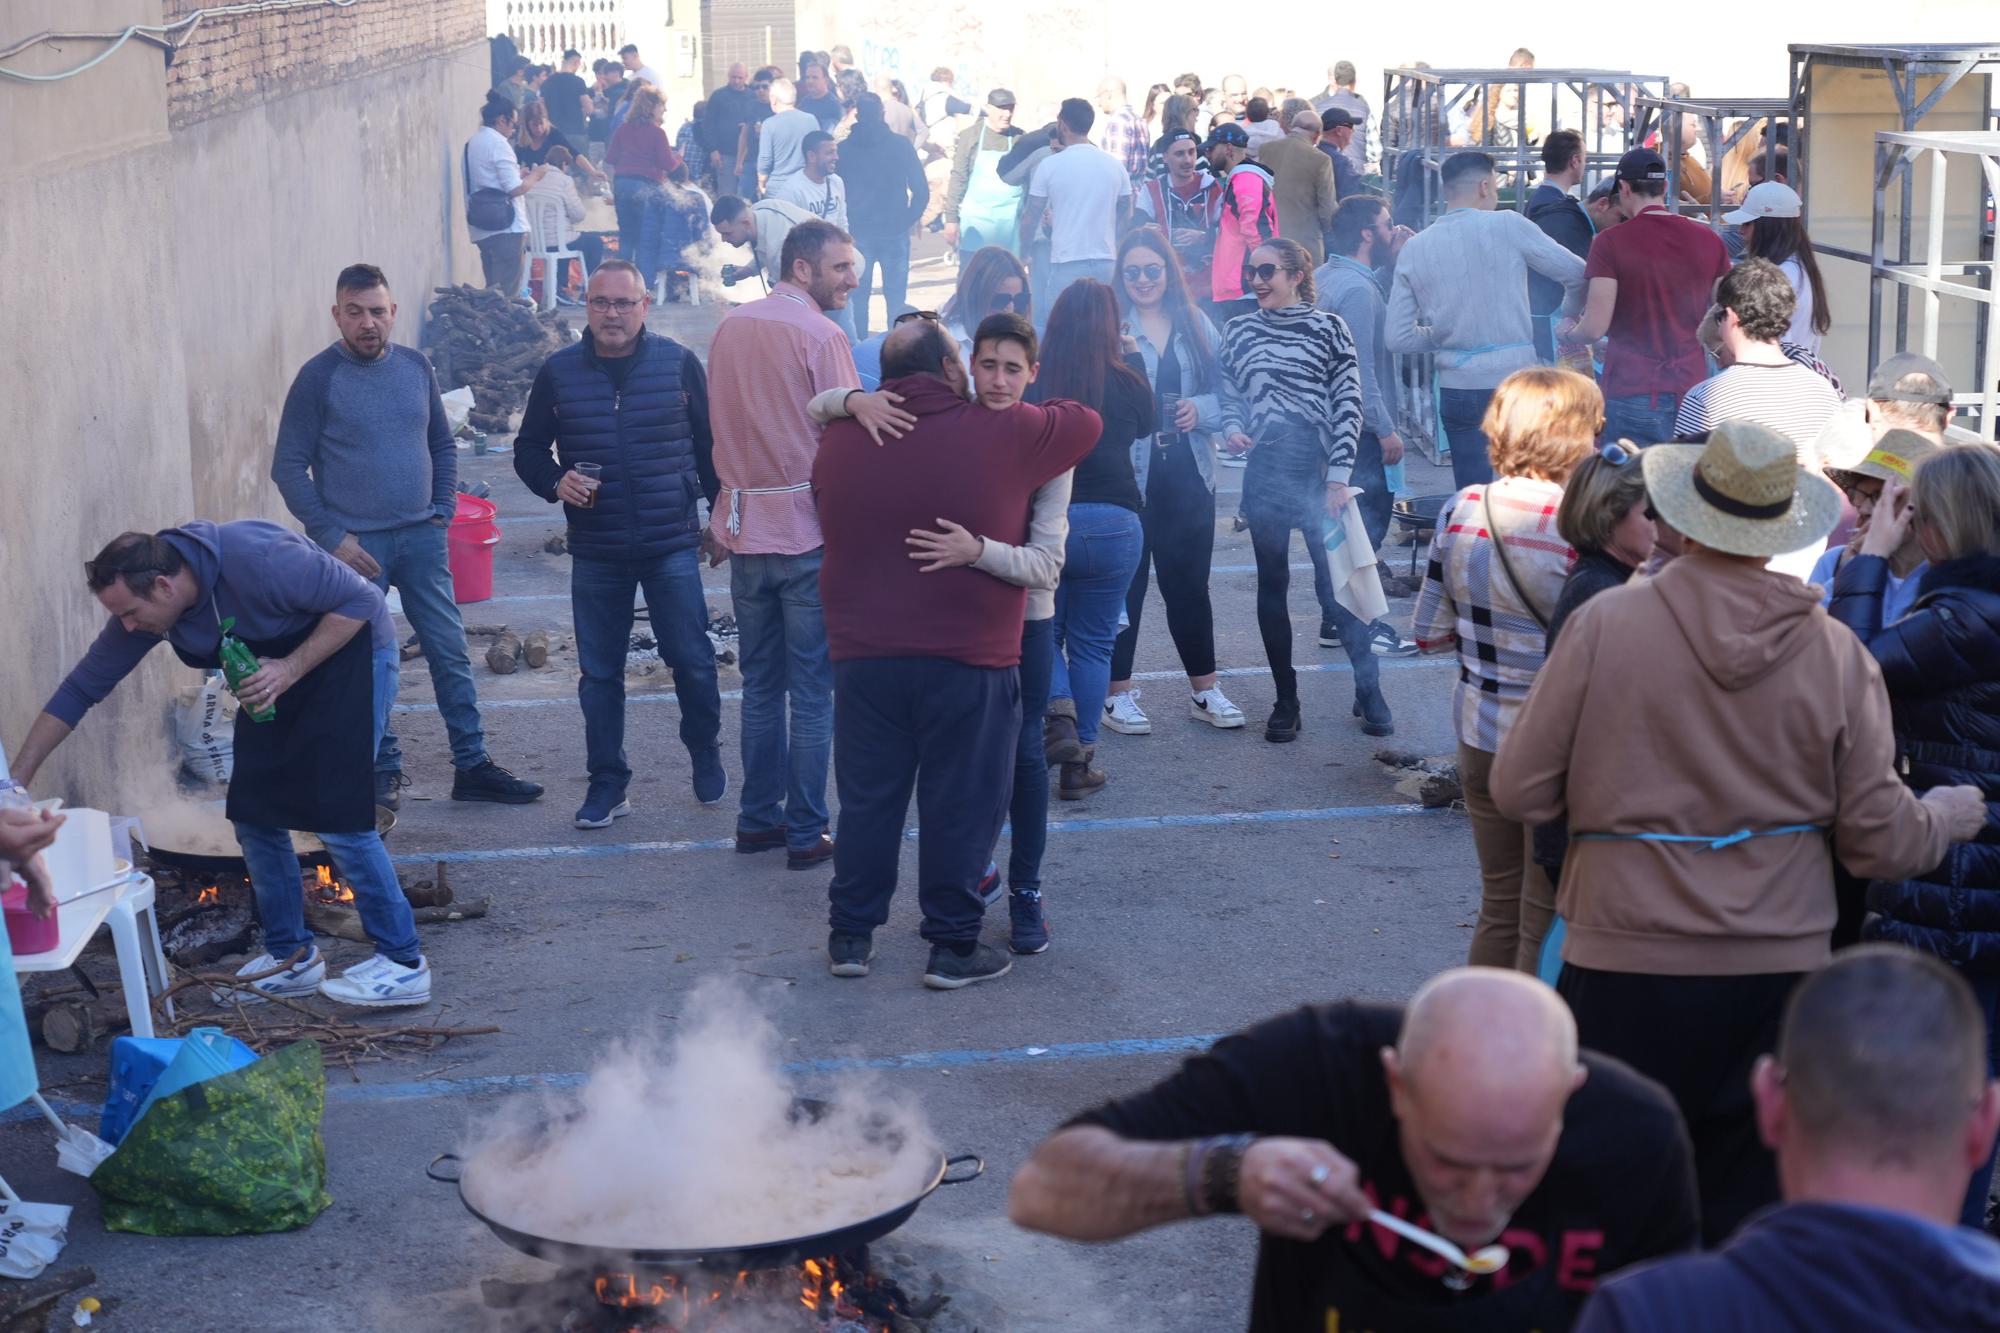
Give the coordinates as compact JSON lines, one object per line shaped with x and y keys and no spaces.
{"x":25,"y":934}
{"x":469,"y":549}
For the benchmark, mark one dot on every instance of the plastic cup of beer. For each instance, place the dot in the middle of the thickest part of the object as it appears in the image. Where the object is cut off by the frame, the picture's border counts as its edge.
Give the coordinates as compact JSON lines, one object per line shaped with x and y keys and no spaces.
{"x":593,"y":477}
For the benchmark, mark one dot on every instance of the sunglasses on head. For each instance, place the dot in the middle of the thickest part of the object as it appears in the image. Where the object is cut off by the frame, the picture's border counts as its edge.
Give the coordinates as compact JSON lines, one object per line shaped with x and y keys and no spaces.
{"x":1017,"y":302}
{"x":909,"y":315}
{"x":1148,"y":272}
{"x":1617,"y":454}
{"x":1266,"y":272}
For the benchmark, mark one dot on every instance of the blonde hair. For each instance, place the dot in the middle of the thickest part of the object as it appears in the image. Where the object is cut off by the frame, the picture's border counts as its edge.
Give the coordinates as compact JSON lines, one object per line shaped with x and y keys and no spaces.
{"x":1542,"y":422}
{"x":648,"y":104}
{"x":1957,"y":494}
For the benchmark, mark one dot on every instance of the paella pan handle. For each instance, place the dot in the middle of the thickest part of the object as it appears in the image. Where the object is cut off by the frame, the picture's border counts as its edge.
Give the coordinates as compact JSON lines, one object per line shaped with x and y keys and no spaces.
{"x":978,"y":1168}
{"x":454,"y":1159}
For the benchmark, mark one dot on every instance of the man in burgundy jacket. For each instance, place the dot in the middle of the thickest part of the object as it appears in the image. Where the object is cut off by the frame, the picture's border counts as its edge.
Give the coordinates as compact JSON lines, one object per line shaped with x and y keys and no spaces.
{"x":927,"y":690}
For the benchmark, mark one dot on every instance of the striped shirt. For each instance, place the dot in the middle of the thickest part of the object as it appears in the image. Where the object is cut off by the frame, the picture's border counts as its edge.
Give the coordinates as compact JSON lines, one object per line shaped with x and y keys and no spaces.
{"x":1469,"y":602}
{"x":1283,"y":369}
{"x":1790,"y":399}
{"x":767,"y":361}
{"x":1123,"y":135}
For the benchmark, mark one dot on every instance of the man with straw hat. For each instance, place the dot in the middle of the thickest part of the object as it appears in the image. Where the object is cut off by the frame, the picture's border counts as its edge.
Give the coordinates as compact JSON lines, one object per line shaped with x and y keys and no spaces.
{"x":1714,"y":740}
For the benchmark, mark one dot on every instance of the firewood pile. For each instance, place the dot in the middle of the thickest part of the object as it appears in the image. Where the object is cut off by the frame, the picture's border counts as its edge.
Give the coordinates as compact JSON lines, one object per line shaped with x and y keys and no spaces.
{"x":477,"y":337}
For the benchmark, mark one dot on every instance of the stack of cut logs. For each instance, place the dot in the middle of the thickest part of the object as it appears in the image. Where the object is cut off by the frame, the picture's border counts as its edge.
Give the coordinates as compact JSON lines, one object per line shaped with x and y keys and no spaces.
{"x":478,"y":337}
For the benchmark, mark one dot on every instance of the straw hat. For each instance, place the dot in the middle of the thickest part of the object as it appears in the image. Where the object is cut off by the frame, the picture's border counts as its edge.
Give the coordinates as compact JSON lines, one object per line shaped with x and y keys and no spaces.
{"x":1895,"y":457}
{"x":1743,"y":492}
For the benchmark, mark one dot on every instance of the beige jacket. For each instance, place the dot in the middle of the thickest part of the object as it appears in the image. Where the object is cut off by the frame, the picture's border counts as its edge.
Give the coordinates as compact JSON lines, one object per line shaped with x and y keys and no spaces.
{"x":1304,"y":191}
{"x":1711,"y":698}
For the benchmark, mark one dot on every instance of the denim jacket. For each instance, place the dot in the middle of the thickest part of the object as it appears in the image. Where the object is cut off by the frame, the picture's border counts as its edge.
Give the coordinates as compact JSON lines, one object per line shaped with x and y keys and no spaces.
{"x":1208,"y":405}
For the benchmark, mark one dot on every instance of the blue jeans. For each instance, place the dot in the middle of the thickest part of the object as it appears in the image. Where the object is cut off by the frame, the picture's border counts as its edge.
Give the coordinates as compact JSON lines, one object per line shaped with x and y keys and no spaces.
{"x":358,"y":858}
{"x":1098,"y":563}
{"x":1061,"y":276}
{"x":893,"y":254}
{"x":1643,"y":418}
{"x":413,"y":562}
{"x":601,"y":602}
{"x":781,"y":643}
{"x":1028,"y":812}
{"x":1459,"y":412}
{"x":628,"y":200}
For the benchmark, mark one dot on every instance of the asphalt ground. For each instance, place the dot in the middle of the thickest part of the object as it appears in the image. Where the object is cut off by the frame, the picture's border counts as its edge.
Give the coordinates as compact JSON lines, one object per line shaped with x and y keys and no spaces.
{"x":1217,"y":879}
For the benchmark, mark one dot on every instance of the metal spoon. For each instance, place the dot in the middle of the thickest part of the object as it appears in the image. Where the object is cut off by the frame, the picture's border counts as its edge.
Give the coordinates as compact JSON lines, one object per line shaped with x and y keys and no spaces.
{"x":1487,"y":1259}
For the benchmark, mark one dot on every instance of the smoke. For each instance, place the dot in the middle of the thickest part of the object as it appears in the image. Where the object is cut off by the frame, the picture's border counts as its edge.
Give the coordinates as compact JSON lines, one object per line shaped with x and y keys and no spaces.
{"x":693,"y":1144}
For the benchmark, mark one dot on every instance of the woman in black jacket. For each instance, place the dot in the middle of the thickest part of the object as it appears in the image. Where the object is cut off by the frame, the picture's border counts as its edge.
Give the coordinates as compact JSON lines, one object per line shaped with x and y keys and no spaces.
{"x":1941,"y":664}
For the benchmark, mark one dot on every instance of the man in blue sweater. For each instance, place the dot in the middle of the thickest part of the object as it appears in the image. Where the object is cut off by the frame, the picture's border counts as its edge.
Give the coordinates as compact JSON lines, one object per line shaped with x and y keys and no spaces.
{"x":1879,"y":1107}
{"x":366,"y":464}
{"x":636,"y":404}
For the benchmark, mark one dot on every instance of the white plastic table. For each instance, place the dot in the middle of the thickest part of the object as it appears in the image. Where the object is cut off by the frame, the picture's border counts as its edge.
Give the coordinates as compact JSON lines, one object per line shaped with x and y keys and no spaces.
{"x":142,"y":964}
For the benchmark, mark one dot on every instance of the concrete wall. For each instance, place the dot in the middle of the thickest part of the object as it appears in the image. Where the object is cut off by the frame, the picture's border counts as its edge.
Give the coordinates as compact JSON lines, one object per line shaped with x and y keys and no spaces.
{"x":166,"y":263}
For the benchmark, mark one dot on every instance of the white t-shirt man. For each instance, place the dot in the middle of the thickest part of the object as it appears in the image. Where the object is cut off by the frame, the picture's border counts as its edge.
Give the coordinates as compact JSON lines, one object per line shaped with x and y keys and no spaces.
{"x":1082,"y":187}
{"x":490,"y":164}
{"x":825,"y":199}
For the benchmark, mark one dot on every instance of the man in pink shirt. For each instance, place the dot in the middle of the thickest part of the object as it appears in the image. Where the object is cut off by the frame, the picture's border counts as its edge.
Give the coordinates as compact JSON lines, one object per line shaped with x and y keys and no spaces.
{"x":767,"y":361}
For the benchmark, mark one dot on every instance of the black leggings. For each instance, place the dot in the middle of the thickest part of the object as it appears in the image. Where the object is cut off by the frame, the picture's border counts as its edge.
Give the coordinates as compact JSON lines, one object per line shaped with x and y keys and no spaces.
{"x":1179,"y":530}
{"x":1271,"y":542}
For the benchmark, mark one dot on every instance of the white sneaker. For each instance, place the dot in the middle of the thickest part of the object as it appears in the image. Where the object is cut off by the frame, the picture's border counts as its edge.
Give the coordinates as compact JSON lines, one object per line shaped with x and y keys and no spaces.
{"x":1233,"y":460}
{"x":381,"y":983}
{"x":1213,"y":707}
{"x":302,"y":978}
{"x":1123,"y":715}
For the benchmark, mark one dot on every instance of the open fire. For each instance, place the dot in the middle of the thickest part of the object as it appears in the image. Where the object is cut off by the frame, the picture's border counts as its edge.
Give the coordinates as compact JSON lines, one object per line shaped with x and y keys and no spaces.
{"x":836,"y":1294}
{"x":325,"y":888}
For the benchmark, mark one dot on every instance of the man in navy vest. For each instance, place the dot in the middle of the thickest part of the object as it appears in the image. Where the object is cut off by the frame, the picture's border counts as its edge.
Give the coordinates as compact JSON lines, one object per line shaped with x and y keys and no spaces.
{"x":635,"y":404}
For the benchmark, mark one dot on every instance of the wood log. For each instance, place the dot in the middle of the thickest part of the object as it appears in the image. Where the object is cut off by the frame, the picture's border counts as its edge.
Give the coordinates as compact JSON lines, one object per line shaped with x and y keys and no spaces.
{"x":70,"y":1027}
{"x":472,"y":630}
{"x":504,"y":657}
{"x":456,"y":911}
{"x":339,"y":920}
{"x":535,"y":648}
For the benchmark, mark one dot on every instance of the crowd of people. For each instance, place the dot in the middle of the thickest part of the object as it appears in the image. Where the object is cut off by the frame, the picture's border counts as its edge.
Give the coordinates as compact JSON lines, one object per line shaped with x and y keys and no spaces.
{"x":1727,"y":651}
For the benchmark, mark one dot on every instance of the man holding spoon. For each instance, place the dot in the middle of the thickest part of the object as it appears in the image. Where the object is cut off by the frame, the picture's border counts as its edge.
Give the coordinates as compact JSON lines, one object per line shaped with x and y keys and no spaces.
{"x":1367,"y":1141}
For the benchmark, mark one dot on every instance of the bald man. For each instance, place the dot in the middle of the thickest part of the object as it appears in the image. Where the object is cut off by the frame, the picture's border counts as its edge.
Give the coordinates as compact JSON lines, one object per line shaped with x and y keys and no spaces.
{"x":731,"y":113}
{"x":1470,"y":1112}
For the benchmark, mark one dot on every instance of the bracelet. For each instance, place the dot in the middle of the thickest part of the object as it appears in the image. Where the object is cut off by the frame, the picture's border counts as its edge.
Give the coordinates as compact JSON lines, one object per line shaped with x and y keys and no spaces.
{"x":1222,"y":1172}
{"x":844,"y":398}
{"x":1191,"y":1159}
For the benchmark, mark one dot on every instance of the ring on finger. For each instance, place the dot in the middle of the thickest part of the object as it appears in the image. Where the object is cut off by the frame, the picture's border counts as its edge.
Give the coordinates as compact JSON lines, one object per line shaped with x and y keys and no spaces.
{"x":1320,"y":1174}
{"x":1308,"y":1216}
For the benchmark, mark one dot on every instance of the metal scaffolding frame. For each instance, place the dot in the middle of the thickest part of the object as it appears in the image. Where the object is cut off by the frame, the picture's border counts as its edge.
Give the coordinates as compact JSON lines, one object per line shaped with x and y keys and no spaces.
{"x":1418,"y":108}
{"x":1667,"y":114}
{"x":1896,"y":156}
{"x":1904,"y":65}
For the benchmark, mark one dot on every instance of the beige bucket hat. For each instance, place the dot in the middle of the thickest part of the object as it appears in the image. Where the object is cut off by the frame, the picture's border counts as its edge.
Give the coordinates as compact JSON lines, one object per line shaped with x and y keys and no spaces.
{"x":1895,"y":457}
{"x":1743,"y":492}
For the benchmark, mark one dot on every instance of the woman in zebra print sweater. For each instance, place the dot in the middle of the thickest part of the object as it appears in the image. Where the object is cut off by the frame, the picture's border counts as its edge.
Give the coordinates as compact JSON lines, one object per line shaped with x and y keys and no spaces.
{"x":1293,"y":401}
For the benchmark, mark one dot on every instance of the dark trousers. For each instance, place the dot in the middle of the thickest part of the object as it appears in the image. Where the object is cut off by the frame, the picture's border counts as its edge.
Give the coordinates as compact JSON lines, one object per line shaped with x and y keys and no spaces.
{"x":892,"y":253}
{"x":1028,"y":811}
{"x":1271,"y":544}
{"x":951,"y":732}
{"x":601,"y":593}
{"x":1698,"y":1037}
{"x":1459,"y":412}
{"x":1178,"y":528}
{"x":1985,"y":989}
{"x":503,"y":261}
{"x":1377,"y":502}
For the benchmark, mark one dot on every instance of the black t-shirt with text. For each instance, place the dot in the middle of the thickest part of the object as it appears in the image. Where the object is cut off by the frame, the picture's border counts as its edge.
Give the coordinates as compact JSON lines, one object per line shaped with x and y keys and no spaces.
{"x":1620,"y":1189}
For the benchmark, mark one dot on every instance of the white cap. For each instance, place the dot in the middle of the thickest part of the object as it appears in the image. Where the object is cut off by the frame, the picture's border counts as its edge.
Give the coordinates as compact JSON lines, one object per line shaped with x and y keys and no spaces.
{"x":1771,"y":199}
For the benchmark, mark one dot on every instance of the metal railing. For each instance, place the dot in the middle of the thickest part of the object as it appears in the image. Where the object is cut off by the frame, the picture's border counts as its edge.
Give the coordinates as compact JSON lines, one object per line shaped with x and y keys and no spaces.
{"x":1721,"y":125}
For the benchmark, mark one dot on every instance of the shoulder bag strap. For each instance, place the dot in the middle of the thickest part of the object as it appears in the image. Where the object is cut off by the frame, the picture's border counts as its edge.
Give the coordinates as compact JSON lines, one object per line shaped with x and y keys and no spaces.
{"x":1506,"y":565}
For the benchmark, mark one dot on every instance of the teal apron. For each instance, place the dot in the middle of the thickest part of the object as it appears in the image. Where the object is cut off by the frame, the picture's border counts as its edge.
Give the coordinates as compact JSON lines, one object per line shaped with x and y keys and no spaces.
{"x":990,"y":213}
{"x":17,"y":1059}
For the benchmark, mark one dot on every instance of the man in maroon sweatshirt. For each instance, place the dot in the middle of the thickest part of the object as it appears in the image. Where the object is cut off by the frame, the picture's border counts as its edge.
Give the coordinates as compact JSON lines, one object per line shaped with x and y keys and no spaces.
{"x":927,"y":690}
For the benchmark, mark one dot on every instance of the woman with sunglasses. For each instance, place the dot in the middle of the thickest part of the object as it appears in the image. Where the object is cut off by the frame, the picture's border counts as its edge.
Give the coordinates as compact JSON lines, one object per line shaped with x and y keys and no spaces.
{"x":1088,"y":360}
{"x":1292,"y":401}
{"x":1941,"y":666}
{"x":992,"y":282}
{"x":1498,"y":565}
{"x":1175,"y":470}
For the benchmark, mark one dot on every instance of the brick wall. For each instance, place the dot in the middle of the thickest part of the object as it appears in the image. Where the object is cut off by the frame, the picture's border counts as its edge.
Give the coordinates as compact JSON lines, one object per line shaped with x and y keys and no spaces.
{"x":231,"y":63}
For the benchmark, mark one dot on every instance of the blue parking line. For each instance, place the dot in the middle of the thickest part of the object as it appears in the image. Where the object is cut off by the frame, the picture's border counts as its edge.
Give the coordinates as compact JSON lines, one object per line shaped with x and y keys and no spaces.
{"x":666,"y":697}
{"x":489,"y":1085}
{"x":1205,"y":819}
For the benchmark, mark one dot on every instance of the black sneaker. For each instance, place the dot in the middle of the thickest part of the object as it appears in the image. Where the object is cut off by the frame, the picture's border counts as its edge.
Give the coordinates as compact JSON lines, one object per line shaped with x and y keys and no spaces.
{"x":490,"y":782}
{"x":849,"y":955}
{"x":1284,"y":724}
{"x":1030,"y":926}
{"x":711,"y":783}
{"x":604,"y":804}
{"x":389,"y":790}
{"x":1329,"y":634}
{"x":1383,"y":641}
{"x":948,"y":971}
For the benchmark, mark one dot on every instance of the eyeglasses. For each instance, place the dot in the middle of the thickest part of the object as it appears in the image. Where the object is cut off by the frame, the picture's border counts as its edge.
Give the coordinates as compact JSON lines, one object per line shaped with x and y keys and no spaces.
{"x":1017,"y":302}
{"x":1617,"y":454}
{"x":909,"y":315}
{"x":605,"y":305}
{"x":1267,"y":272}
{"x":1149,"y":272}
{"x":1857,"y":492}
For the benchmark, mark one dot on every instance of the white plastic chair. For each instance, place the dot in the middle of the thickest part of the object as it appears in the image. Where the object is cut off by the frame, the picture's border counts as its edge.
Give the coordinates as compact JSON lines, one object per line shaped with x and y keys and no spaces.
{"x":547,"y":232}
